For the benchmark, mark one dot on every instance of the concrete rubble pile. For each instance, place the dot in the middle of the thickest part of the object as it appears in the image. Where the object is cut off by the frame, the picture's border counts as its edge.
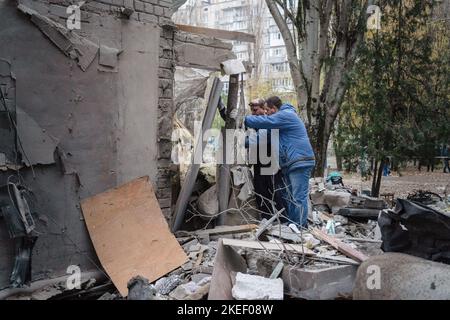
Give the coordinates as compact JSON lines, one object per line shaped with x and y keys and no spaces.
{"x":273,"y":260}
{"x":317,"y":263}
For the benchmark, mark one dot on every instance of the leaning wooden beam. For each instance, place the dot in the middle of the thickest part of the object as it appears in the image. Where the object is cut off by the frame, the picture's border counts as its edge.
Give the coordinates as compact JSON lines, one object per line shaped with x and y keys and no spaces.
{"x":224,"y":176}
{"x":267,"y":224}
{"x":191,"y":175}
{"x":363,"y":240}
{"x":262,"y":245}
{"x":340,"y":246}
{"x":226,"y":230}
{"x":217,"y":33}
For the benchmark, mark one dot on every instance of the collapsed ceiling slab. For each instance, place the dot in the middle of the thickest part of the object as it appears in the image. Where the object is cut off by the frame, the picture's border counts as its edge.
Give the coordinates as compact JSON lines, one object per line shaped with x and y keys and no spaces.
{"x":197,"y":51}
{"x":220,"y":34}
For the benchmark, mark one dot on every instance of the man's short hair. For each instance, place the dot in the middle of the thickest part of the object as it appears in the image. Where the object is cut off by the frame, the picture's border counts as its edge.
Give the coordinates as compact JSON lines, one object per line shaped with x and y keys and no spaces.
{"x":257,"y":102}
{"x":274,"y":102}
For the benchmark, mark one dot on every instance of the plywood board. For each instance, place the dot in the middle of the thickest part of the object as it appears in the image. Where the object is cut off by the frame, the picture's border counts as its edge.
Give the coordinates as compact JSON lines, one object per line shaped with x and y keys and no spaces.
{"x":130,"y":235}
{"x":340,"y":246}
{"x":220,"y":230}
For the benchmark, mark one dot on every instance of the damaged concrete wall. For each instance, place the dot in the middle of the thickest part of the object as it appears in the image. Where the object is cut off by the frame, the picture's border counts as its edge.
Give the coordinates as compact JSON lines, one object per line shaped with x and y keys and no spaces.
{"x":103,"y":115}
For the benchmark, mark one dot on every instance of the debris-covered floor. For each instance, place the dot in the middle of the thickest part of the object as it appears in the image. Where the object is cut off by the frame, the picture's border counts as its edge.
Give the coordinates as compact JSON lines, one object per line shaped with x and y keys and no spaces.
{"x":264,"y":260}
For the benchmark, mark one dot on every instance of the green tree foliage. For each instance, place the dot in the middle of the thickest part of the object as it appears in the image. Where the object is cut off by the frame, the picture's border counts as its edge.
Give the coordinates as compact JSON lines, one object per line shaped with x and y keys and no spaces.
{"x":397,"y":104}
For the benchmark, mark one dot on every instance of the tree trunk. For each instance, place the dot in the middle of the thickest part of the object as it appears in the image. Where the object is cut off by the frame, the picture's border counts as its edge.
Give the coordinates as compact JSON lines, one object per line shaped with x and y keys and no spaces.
{"x":375,"y":174}
{"x":376,"y":182}
{"x":320,"y":99}
{"x":337,"y":151}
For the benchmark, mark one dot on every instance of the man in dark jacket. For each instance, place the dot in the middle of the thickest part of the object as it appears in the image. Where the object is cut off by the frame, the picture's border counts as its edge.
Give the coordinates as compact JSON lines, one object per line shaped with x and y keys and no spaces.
{"x":296,"y":156}
{"x":264,"y":184}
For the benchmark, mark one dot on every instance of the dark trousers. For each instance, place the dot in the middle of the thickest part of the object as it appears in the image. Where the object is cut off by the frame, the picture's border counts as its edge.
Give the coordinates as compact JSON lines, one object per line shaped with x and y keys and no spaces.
{"x":266,"y":189}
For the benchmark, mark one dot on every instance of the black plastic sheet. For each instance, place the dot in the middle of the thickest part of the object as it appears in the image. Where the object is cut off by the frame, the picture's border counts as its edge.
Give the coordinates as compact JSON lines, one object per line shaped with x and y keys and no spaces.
{"x":416,"y":229}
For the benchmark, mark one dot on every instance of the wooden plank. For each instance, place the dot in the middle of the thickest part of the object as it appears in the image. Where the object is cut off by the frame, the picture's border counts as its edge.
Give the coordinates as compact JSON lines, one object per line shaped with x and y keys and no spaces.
{"x":324,"y":216}
{"x":336,"y":259}
{"x":263,"y":245}
{"x":226,"y":230}
{"x":340,"y":246}
{"x":226,"y":262}
{"x":363,"y":240}
{"x":217,"y":33}
{"x":130,"y":234}
{"x":224,"y":177}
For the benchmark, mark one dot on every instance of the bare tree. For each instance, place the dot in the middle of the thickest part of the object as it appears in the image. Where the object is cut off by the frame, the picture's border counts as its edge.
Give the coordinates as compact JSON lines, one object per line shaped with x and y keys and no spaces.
{"x":256,"y":24}
{"x":321,"y":39}
{"x":255,"y":21}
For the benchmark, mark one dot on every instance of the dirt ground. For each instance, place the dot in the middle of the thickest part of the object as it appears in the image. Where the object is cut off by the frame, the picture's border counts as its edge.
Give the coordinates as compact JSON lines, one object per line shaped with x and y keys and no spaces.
{"x":410,"y":180}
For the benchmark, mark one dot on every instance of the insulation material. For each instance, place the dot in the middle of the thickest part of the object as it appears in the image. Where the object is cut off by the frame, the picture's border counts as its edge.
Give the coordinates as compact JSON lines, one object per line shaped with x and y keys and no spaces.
{"x":182,"y":150}
{"x":130,"y":235}
{"x":190,"y":94}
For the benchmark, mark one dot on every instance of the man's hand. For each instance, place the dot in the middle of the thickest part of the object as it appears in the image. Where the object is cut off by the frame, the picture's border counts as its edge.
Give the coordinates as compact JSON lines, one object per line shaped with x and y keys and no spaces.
{"x":222,"y":109}
{"x":234,"y":113}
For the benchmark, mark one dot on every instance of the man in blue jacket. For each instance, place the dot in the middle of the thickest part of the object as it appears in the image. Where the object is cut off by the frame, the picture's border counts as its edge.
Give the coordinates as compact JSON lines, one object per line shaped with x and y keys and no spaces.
{"x":296,"y":156}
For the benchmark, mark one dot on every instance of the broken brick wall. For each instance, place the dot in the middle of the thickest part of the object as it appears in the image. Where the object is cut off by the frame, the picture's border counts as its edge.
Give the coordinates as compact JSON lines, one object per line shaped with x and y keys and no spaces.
{"x":101,"y":122}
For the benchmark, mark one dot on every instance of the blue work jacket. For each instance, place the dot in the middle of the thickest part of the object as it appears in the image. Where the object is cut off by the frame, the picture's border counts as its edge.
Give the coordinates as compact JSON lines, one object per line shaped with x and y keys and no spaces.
{"x":295,"y":149}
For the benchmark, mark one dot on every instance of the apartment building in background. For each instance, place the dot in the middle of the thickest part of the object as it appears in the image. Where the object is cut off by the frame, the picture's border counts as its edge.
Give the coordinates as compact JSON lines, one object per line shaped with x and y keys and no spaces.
{"x":268,"y":54}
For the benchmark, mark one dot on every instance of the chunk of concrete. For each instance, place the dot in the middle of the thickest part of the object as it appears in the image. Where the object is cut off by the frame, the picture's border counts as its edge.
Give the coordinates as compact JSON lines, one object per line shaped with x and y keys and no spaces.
{"x":251,"y":287}
{"x":208,"y":203}
{"x":398,"y":276}
{"x":232,"y":66}
{"x":335,"y":200}
{"x":140,"y":289}
{"x":192,"y":290}
{"x":167,"y":284}
{"x":319,"y":284}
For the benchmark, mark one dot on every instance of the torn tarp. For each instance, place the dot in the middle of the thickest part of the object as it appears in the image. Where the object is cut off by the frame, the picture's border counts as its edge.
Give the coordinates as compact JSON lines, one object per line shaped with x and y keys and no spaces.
{"x":19,"y":222}
{"x":416,"y":229}
{"x":8,"y":134}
